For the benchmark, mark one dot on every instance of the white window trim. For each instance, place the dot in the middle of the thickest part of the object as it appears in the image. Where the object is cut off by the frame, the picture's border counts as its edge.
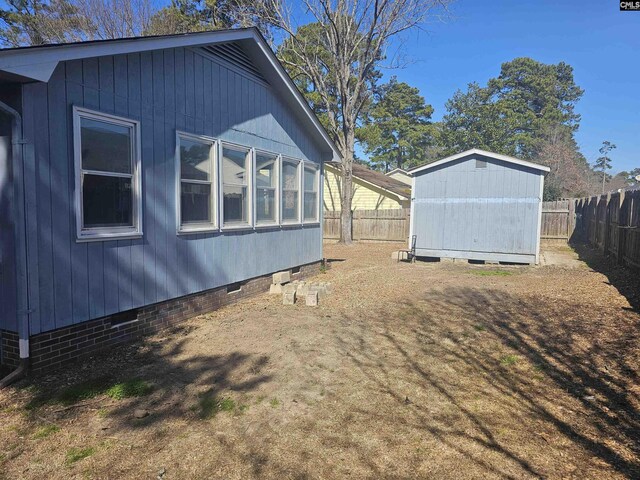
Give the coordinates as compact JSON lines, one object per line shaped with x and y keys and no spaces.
{"x":278,"y":165}
{"x":315,"y":167}
{"x":213,"y":158}
{"x":106,"y":233}
{"x":249,"y":224}
{"x":300,"y":188}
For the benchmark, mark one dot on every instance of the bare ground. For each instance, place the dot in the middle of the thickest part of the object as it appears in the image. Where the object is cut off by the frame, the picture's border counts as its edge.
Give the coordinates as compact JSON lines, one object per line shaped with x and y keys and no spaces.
{"x":426,"y":370}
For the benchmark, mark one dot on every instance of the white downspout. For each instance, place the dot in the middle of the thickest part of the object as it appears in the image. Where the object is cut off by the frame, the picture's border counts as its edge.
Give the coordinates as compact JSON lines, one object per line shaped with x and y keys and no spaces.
{"x":20,"y":245}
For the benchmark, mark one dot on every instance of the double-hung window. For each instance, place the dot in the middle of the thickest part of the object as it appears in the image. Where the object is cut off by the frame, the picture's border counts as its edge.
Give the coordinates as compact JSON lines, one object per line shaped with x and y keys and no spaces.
{"x":290,"y":191}
{"x":196,"y":163}
{"x":310,"y":210}
{"x":107,"y":161}
{"x":236,"y":170}
{"x":266,"y":188}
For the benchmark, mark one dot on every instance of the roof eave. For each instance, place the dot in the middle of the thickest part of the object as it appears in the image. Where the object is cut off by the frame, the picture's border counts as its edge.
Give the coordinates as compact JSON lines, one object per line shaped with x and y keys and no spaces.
{"x":477,"y":151}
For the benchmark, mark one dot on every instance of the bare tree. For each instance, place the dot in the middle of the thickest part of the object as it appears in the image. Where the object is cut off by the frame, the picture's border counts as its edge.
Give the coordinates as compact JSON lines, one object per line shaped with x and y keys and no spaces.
{"x":339,"y":58}
{"x":106,"y":19}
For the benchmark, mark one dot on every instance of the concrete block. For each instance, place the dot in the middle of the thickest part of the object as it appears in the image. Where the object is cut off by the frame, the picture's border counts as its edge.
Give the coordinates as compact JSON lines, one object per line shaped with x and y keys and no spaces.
{"x":302,"y":289}
{"x":328,"y":288}
{"x":281,"y":277}
{"x":312,"y":298}
{"x":399,"y":255}
{"x":288,"y":288}
{"x":275,"y":289}
{"x":289,"y":298}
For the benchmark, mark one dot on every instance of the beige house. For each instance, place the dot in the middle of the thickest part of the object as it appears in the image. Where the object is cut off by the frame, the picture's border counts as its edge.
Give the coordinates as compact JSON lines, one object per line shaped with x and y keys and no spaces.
{"x":372,"y":190}
{"x":400,"y":175}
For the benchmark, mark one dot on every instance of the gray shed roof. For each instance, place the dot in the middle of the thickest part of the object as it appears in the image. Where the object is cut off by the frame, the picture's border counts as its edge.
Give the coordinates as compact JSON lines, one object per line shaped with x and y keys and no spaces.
{"x":24,"y":64}
{"x":484,"y":153}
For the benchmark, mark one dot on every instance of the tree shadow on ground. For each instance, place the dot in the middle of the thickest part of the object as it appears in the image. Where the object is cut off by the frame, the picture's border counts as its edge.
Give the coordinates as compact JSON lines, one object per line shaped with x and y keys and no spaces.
{"x":555,"y":374}
{"x":184,"y":387}
{"x":625,"y":280}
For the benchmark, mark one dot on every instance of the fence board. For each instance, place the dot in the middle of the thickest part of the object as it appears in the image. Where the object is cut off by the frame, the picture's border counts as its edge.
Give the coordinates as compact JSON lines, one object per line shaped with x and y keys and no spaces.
{"x":375,"y":225}
{"x":558,"y":219}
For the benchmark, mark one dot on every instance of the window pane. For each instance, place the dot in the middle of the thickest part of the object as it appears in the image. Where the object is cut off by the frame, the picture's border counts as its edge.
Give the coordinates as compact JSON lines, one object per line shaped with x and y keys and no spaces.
{"x":290,"y":176}
{"x":310,"y":179}
{"x":107,"y":201}
{"x":234,"y":166}
{"x":234,"y":204}
{"x":310,"y":210}
{"x":266,"y":205}
{"x":290,"y":205}
{"x":195,"y":163}
{"x":265,"y":170}
{"x":195,"y":203}
{"x":105,"y":147}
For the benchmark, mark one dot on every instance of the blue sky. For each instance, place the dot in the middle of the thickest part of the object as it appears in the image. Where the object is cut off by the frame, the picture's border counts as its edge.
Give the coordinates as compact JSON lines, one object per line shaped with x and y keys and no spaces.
{"x":600,"y":42}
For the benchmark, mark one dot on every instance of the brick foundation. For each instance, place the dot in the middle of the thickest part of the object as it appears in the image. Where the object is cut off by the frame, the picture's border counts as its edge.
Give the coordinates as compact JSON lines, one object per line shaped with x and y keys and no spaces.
{"x":53,"y":349}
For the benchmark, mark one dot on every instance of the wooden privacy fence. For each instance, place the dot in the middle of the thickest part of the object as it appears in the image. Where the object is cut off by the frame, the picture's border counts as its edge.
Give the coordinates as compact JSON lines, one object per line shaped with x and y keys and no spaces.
{"x":611,"y":223}
{"x":380,"y":225}
{"x":558,"y":220}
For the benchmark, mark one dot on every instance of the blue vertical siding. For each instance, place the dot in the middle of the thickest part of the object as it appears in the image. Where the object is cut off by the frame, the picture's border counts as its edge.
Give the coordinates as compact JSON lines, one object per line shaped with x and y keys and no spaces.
{"x":7,"y":246}
{"x":494,"y":210}
{"x":168,"y":90}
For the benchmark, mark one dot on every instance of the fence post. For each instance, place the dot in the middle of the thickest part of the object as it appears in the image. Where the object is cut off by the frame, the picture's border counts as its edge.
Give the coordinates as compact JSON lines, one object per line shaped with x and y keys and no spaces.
{"x":623,"y":223}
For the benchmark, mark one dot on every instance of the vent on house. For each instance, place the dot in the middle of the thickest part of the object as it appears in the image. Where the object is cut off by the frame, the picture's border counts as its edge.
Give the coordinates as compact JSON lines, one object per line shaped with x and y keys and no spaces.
{"x":123,"y":318}
{"x":234,"y":55}
{"x":234,"y":287}
{"x":295,"y":270}
{"x":481,"y":164}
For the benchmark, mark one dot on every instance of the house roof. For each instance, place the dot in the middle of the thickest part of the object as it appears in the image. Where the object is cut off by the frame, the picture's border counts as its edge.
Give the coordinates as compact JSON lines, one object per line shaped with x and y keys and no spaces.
{"x":397,"y":170}
{"x":25,"y":64}
{"x":378,"y":179}
{"x":484,"y":153}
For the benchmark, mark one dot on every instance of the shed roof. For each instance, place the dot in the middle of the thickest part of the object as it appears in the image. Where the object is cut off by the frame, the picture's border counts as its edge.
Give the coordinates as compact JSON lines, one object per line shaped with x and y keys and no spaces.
{"x":484,"y":153}
{"x":25,"y":64}
{"x":379,"y":180}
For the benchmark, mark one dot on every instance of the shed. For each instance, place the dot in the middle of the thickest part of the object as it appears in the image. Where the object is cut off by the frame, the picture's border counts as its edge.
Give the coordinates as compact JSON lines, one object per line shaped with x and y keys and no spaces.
{"x":478,"y":205}
{"x":146,"y":180}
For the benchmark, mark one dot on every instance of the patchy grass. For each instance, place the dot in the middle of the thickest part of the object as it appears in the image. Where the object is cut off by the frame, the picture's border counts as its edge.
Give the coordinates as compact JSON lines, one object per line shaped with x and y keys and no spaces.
{"x":44,"y":432}
{"x":209,"y":405}
{"x":274,"y":402}
{"x":76,"y":454}
{"x":92,"y":388}
{"x":509,"y":360}
{"x":491,"y":273}
{"x":479,"y":327}
{"x":129,"y":388}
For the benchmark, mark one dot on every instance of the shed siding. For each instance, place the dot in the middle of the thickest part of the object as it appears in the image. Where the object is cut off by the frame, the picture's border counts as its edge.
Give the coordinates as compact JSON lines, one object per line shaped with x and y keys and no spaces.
{"x":459,"y":207}
{"x":165,"y":90}
{"x":365,"y":197}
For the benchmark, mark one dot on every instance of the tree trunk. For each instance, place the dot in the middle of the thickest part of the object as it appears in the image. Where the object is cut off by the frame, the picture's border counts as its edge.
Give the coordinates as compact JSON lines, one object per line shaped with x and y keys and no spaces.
{"x":346,"y":215}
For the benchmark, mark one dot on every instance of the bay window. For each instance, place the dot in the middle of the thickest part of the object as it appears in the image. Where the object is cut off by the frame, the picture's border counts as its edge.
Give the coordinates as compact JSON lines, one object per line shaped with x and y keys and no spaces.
{"x":266,"y":188}
{"x":236,"y":170}
{"x":310,"y":209}
{"x":290,"y":191}
{"x":196,"y":164}
{"x":107,"y":163}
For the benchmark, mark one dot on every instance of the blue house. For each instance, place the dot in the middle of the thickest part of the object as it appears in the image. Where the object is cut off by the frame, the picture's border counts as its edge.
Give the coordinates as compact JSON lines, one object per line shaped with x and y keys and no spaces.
{"x":144,"y":181}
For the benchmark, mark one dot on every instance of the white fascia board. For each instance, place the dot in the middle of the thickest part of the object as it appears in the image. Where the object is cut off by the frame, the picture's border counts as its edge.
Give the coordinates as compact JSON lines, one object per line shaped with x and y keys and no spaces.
{"x":477,"y":151}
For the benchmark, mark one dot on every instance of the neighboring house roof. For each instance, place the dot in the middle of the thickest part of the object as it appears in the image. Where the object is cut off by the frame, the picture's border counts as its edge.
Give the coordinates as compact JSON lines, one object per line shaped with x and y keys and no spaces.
{"x":397,"y":170}
{"x":378,"y":179}
{"x":484,"y":153}
{"x":24,"y":64}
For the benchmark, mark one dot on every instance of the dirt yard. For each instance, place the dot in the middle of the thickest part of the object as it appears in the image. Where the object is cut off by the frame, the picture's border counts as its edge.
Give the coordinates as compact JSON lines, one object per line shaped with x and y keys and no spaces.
{"x":426,"y":370}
